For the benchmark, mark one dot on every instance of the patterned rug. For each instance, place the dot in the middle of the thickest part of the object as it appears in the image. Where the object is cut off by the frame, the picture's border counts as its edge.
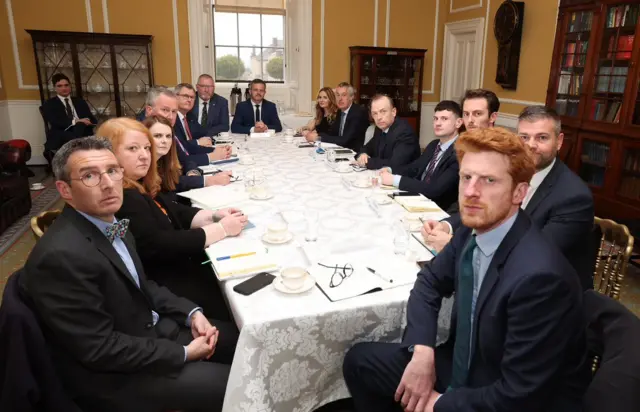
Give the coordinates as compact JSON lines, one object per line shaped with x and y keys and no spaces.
{"x":41,"y":200}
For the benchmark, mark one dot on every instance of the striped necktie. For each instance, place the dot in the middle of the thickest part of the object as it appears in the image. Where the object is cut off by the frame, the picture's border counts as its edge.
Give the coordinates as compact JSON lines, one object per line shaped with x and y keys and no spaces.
{"x":432,"y":164}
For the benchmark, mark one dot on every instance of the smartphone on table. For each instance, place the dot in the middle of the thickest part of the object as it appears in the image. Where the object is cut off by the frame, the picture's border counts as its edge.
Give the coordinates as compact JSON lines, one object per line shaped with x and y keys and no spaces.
{"x":254,"y":283}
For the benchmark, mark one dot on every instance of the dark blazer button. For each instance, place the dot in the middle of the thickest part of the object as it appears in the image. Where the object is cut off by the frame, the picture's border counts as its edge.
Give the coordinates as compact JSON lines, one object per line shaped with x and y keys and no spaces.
{"x":149,"y":325}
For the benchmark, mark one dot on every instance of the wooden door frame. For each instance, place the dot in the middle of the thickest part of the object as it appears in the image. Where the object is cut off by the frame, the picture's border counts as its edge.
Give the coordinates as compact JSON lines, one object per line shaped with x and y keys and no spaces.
{"x":450,"y":31}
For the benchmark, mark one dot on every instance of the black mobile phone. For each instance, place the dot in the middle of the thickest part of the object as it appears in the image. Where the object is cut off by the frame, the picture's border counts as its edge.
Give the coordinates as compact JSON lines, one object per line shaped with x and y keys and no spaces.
{"x":343,"y":151}
{"x":308,"y":144}
{"x":254,"y":284}
{"x":405,"y":194}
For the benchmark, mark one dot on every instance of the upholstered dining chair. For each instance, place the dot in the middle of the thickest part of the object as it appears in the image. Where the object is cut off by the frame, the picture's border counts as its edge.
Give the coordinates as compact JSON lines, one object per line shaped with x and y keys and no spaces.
{"x":612,"y":259}
{"x":40,"y":223}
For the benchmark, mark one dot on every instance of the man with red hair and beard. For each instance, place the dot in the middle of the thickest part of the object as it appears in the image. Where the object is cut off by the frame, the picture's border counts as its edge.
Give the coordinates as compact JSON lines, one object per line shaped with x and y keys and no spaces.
{"x":518,"y":342}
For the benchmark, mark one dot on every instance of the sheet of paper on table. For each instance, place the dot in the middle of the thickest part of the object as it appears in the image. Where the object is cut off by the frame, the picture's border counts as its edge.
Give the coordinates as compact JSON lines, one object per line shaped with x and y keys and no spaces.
{"x":268,"y":133}
{"x":361,"y":280}
{"x":216,"y":197}
{"x":419,"y":204}
{"x":240,"y":266}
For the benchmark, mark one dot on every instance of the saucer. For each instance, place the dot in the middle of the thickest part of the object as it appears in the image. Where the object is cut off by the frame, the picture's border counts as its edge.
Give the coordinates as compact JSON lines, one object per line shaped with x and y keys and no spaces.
{"x":278,"y":284}
{"x":37,"y":186}
{"x":349,"y":170}
{"x":267,"y":239}
{"x":256,"y":197}
{"x":362,"y":185}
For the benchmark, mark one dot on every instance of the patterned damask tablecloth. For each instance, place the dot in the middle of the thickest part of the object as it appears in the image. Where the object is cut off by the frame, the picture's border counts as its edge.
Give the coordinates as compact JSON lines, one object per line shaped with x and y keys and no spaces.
{"x":291,"y":347}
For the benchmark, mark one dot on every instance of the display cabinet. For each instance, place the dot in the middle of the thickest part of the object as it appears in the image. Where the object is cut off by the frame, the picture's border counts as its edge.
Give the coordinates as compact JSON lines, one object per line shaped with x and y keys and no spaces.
{"x":112,"y":72}
{"x":594,"y":84}
{"x":394,"y":72}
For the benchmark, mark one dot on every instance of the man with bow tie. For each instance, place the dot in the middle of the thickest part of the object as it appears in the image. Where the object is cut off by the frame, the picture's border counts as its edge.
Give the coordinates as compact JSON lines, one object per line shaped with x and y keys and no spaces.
{"x":119,"y":341}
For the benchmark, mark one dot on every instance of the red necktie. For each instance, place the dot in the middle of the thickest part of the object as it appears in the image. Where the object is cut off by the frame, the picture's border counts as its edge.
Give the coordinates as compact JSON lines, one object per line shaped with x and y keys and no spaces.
{"x":186,"y":128}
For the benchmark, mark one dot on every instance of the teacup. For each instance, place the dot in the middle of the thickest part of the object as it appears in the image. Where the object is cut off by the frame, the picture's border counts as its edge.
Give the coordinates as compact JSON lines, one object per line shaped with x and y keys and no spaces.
{"x":277,"y":230}
{"x":343,"y":167}
{"x":289,"y":132}
{"x":288,"y":139}
{"x":293,"y":278}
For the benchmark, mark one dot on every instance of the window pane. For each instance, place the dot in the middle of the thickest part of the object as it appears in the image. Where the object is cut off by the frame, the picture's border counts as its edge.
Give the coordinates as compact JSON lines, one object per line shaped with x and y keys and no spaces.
{"x":228,"y":65}
{"x":226,"y":29}
{"x":272,"y":30}
{"x":273,"y":60}
{"x":250,"y":56}
{"x":249,"y":29}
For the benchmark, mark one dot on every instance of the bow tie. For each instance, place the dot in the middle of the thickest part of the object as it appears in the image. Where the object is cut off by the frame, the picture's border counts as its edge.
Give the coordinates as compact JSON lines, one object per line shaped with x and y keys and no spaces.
{"x":118,"y":229}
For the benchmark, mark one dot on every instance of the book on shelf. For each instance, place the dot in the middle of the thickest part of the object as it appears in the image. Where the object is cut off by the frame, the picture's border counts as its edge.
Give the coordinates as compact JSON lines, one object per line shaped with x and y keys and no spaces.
{"x":625,"y":46}
{"x":612,"y":113}
{"x":570,"y":54}
{"x":622,"y":16}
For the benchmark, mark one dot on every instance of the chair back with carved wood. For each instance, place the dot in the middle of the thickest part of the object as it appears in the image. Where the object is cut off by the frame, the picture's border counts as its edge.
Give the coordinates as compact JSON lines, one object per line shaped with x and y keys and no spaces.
{"x":40,"y":223}
{"x":616,"y":246}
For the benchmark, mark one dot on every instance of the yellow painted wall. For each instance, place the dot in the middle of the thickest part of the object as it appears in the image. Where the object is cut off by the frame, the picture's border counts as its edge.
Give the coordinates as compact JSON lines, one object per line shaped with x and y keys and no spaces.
{"x":154,"y":17}
{"x":412,"y":24}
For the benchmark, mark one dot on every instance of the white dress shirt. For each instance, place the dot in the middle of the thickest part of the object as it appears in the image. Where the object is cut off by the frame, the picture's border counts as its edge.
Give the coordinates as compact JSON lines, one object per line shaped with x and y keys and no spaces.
{"x":73,"y":108}
{"x":535,"y":182}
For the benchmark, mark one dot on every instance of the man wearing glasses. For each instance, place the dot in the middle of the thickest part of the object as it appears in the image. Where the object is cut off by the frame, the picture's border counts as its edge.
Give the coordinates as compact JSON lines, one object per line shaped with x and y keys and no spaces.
{"x":211,"y":111}
{"x":119,"y":341}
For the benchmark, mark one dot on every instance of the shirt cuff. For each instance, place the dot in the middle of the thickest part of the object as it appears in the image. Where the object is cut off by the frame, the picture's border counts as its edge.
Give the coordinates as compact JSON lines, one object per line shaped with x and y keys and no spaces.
{"x":437,"y":399}
{"x":251,"y":130}
{"x":450,"y":227}
{"x":396,"y":180}
{"x":204,"y":181}
{"x":74,"y":121}
{"x":185,"y":354}
{"x":188,"y":321}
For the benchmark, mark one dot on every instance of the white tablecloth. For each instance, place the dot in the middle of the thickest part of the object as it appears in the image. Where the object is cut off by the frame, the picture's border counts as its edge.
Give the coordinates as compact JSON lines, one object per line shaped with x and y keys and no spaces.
{"x":294,"y":121}
{"x":291,"y":347}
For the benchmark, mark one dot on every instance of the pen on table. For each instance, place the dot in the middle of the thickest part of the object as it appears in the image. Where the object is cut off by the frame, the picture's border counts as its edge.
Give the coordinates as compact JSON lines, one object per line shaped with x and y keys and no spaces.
{"x":380,"y":275}
{"x":218,"y":259}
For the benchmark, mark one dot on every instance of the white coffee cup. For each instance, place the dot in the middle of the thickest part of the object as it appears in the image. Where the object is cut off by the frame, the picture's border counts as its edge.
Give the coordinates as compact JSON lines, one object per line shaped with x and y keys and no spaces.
{"x":224,"y":135}
{"x":288,"y":139}
{"x":294,"y":278}
{"x":277,"y":230}
{"x":343,"y":167}
{"x":289,"y":132}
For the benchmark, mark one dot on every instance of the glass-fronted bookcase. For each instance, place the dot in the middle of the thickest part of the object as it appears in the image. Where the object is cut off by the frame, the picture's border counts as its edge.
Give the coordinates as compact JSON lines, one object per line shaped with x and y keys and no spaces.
{"x":594,"y":84}
{"x":112,"y":72}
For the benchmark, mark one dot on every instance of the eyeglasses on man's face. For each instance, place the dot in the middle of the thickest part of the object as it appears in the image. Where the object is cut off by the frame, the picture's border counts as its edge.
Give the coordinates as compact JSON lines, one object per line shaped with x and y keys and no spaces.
{"x":186,"y":96}
{"x":93,"y":178}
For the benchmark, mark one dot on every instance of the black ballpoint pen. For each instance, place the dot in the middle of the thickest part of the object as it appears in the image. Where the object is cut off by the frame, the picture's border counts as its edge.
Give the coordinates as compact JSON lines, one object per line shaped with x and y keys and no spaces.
{"x":386,"y":279}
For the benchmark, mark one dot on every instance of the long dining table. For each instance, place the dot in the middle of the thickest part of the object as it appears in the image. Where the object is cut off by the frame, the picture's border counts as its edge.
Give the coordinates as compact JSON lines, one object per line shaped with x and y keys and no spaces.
{"x":291,"y":346}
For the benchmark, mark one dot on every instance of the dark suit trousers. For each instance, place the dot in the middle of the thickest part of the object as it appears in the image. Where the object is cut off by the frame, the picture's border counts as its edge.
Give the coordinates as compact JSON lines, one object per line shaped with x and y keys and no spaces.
{"x":373,"y":372}
{"x":199,"y":386}
{"x":63,"y":136}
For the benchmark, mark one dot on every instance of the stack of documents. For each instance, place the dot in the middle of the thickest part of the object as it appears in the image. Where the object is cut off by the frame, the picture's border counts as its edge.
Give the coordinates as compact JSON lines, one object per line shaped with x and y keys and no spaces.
{"x":216,"y":197}
{"x":236,"y":257}
{"x":417,"y":204}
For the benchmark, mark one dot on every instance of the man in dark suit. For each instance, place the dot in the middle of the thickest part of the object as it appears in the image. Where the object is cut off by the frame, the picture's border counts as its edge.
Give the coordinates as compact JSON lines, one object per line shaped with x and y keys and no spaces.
{"x":68,"y":117}
{"x":351,"y":125}
{"x":435,"y":173}
{"x":558,"y":201}
{"x":119,"y":341}
{"x":256,"y":115}
{"x":210,"y":111}
{"x":519,"y":341}
{"x":394,"y":143}
{"x":163,"y":102}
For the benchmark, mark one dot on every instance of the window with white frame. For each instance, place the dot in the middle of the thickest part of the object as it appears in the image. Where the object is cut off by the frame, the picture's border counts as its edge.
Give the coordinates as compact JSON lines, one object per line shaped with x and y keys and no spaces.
{"x":249,"y":39}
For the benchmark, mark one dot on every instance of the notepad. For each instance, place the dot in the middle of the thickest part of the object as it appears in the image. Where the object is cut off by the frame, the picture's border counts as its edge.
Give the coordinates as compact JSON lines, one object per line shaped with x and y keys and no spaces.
{"x":216,"y":197}
{"x":252,"y":258}
{"x":417,"y":204}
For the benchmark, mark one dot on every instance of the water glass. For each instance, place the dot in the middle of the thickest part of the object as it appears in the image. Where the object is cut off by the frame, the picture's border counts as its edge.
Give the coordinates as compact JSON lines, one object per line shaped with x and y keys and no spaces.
{"x":311,"y":217}
{"x":400,"y":238}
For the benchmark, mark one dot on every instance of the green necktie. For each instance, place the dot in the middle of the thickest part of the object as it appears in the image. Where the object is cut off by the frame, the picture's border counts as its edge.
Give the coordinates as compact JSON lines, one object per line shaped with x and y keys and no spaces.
{"x":464,"y":296}
{"x":205,"y":115}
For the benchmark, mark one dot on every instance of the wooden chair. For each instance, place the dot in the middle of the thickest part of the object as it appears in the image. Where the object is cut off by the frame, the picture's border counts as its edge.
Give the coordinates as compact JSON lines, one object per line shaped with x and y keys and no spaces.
{"x":612,"y":259}
{"x":40,"y":223}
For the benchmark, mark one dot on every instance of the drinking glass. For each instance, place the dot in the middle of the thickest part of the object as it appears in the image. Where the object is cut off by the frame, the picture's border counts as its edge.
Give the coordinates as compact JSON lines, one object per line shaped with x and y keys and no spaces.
{"x":311,"y":217}
{"x":400,"y":238}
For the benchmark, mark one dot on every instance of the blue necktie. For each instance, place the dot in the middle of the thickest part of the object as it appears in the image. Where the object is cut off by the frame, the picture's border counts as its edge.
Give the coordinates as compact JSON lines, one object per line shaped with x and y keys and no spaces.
{"x":343,"y":120}
{"x":464,"y":297}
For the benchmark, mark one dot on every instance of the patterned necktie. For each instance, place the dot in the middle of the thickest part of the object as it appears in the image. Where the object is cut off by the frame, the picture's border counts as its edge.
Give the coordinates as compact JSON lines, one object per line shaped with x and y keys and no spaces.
{"x":68,"y":108}
{"x":205,"y":115}
{"x":432,"y":164}
{"x":186,"y":128}
{"x":258,"y":113}
{"x":464,"y":298}
{"x":118,"y":229}
{"x":343,"y":120}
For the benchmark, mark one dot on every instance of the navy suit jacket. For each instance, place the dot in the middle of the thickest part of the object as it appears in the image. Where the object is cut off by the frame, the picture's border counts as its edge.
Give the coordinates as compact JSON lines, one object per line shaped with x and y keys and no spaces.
{"x":245,"y":113}
{"x":188,"y":164}
{"x":55,"y":113}
{"x":200,"y":159}
{"x":197,"y":132}
{"x":355,"y":127}
{"x":562,"y":207}
{"x":217,"y":116}
{"x":528,"y":347}
{"x":398,"y":148}
{"x":443,"y":185}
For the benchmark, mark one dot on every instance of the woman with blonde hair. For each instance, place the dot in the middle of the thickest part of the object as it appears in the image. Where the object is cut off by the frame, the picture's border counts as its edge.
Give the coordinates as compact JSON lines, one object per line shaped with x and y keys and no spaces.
{"x":170,"y":237}
{"x":326,"y":110}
